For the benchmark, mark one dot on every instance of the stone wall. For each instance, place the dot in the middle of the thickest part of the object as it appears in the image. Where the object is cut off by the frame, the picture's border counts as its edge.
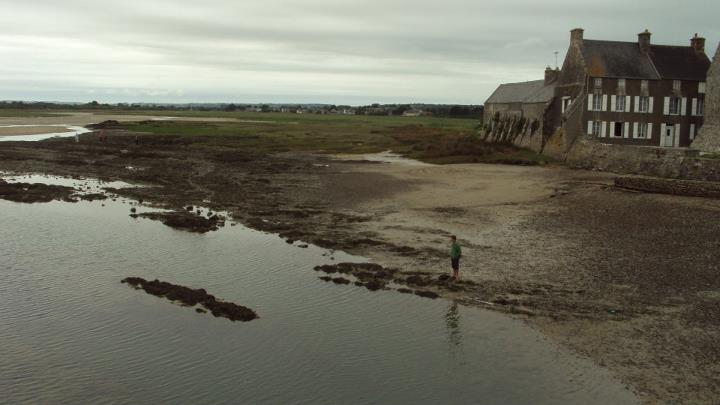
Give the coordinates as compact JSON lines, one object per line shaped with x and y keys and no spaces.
{"x":708,"y":139}
{"x":672,"y":163}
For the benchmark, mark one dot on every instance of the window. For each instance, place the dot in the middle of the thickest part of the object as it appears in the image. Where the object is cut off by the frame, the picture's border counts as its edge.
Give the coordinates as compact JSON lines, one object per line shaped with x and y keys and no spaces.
{"x":598,"y":83}
{"x":700,"y":107}
{"x":566,"y":101}
{"x":617,"y":130}
{"x":597,"y":102}
{"x":644,"y":104}
{"x":644,"y":86}
{"x":701,"y":87}
{"x":621,"y":85}
{"x":676,"y":85}
{"x":674,"y":105}
{"x":643,"y":130}
{"x":620,"y":103}
{"x":596,"y":128}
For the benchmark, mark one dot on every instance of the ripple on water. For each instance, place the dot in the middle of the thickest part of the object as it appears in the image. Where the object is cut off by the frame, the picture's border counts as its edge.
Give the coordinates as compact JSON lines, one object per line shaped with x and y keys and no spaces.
{"x":71,"y":333}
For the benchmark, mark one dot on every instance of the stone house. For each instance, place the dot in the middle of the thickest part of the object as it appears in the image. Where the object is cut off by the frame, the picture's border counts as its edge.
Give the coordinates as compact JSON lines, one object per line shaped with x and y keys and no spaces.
{"x":521,"y":100}
{"x":631,"y":93}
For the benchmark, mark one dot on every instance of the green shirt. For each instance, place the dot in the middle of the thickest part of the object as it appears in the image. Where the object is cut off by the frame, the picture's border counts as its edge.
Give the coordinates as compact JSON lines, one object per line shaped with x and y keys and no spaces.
{"x":455,"y":251}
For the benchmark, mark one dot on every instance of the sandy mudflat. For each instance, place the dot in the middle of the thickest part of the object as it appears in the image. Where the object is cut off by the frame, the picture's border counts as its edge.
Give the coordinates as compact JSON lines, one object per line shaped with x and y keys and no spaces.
{"x":32,"y":130}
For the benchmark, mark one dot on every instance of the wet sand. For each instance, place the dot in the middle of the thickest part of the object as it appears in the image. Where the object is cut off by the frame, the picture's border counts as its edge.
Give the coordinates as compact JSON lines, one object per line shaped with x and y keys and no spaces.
{"x":628,"y":279}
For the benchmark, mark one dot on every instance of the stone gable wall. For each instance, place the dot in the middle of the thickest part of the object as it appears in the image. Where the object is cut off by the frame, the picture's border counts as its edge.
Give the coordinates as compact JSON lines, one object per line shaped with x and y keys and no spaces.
{"x":708,"y":139}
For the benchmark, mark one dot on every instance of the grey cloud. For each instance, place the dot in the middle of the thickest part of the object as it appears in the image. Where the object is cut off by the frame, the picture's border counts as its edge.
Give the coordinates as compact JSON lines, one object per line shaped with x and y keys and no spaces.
{"x":451,"y":51}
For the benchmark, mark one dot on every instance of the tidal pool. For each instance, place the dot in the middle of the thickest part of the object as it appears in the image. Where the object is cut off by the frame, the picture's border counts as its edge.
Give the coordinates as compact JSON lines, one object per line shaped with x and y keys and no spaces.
{"x":70,"y":130}
{"x":70,"y":332}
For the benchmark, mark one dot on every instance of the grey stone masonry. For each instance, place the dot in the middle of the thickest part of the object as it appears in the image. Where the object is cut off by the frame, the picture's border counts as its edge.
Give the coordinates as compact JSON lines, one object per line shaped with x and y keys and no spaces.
{"x":708,"y":139}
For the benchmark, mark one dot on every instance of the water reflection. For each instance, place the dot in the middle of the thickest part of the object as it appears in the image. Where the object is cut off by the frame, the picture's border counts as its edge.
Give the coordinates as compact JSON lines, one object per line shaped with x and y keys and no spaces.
{"x":452,"y":323}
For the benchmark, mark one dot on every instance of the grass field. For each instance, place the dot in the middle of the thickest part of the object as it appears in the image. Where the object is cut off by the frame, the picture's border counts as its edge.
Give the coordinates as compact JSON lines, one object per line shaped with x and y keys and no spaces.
{"x":430,"y":139}
{"x":434,"y":140}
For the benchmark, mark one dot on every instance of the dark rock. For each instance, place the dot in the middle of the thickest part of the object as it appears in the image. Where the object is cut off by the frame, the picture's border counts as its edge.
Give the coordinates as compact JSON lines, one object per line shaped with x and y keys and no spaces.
{"x":192,"y":297}
{"x":35,"y":192}
{"x":405,"y":290}
{"x":133,"y":209}
{"x":325,"y":278}
{"x":93,"y":197}
{"x":426,"y":294}
{"x":182,"y":220}
{"x":340,"y":280}
{"x":189,"y":208}
{"x":444,"y":277}
{"x":200,"y":311}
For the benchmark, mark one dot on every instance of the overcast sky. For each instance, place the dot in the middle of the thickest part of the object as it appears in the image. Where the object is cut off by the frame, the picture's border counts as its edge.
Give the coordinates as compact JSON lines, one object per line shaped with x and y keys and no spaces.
{"x":332,"y":51}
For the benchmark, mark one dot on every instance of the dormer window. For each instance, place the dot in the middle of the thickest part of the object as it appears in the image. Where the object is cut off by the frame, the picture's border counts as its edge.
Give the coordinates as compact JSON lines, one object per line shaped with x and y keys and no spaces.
{"x":621,"y":86}
{"x":676,"y":85}
{"x":598,"y":83}
{"x":701,"y":87}
{"x":644,"y":87}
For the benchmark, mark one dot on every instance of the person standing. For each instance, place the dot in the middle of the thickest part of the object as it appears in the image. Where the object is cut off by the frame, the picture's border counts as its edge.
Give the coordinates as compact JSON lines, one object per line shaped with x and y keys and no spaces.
{"x":455,"y":254}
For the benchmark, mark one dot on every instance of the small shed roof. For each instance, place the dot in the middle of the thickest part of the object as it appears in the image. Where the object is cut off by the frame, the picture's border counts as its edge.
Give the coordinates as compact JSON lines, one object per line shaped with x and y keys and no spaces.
{"x":524,"y":92}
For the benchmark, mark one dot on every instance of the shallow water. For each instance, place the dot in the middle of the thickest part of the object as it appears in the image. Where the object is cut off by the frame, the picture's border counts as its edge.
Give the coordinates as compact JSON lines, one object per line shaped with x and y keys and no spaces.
{"x":39,"y":137}
{"x":71,"y":333}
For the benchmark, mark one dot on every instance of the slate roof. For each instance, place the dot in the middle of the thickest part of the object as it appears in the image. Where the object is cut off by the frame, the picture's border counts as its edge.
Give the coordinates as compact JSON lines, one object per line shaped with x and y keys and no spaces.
{"x":679,"y":62}
{"x":617,"y":59}
{"x":524,"y":92}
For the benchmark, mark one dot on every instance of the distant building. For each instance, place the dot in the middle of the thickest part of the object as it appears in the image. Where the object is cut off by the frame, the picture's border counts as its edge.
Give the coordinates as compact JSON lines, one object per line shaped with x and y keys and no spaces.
{"x":528,"y":100}
{"x":634,"y":93}
{"x":412,"y":113}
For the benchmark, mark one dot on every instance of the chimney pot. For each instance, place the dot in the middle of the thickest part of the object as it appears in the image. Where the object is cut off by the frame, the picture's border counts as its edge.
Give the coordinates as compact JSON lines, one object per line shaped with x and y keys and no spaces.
{"x":644,"y":40}
{"x":698,"y":43}
{"x":576,"y":35}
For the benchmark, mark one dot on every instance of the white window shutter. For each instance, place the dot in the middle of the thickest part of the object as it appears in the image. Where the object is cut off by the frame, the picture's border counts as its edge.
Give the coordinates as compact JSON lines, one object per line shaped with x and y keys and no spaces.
{"x":635,"y":130}
{"x":692,"y":131}
{"x":684,"y":106}
{"x":677,"y":135}
{"x":666,"y":106}
{"x":604,"y":102}
{"x":663,"y":128}
{"x":650,"y":106}
{"x":612,"y":129}
{"x":590,"y":101}
{"x":590,"y":127}
{"x":603,"y":129}
{"x":613,"y":103}
{"x":649,"y":132}
{"x":627,"y":103}
{"x":626,"y":130}
{"x":637,"y":104}
{"x":693,"y":109}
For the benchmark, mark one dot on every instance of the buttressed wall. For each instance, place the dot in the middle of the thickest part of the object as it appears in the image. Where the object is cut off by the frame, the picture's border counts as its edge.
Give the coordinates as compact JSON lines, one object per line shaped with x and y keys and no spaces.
{"x":708,"y":140}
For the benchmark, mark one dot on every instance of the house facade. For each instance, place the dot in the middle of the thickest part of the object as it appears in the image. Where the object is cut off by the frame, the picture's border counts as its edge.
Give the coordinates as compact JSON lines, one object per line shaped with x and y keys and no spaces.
{"x":633,"y":93}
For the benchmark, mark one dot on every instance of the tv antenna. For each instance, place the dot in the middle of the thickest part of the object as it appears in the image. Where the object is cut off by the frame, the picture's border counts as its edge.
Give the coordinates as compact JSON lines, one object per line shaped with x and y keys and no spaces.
{"x":556,"y":59}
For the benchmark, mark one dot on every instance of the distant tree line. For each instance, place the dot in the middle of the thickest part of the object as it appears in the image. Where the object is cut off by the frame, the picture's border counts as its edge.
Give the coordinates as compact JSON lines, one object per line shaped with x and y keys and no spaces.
{"x":436,"y":110}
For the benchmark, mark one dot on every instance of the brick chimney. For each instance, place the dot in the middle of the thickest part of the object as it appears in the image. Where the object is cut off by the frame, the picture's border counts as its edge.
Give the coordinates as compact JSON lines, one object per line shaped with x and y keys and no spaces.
{"x":644,"y":40}
{"x":576,"y":36}
{"x":551,"y":75}
{"x":698,"y":43}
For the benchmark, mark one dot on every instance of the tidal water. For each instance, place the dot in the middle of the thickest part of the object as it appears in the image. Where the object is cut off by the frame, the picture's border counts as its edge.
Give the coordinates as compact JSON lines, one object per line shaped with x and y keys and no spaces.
{"x":39,"y":137}
{"x":71,"y":333}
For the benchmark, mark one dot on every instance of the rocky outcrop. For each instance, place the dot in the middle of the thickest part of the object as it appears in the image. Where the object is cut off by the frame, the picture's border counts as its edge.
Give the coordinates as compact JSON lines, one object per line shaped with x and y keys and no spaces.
{"x":191,"y":297}
{"x":708,"y":139}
